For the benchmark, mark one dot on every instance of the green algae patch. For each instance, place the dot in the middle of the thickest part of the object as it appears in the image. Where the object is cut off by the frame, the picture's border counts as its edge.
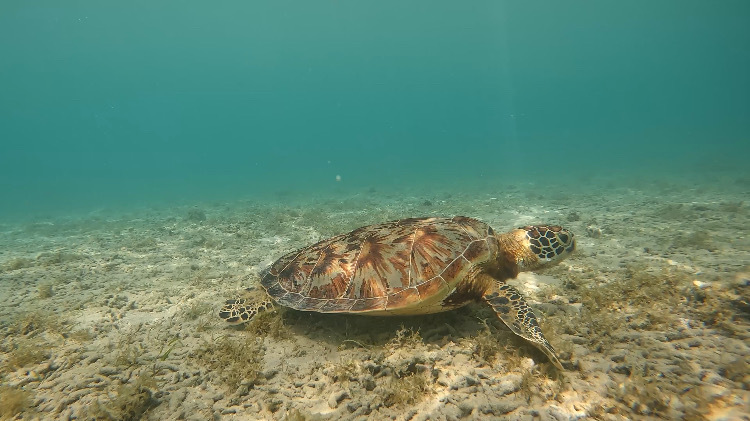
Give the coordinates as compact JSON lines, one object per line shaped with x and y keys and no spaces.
{"x":406,"y":389}
{"x":16,"y":264}
{"x":238,"y":362}
{"x":26,"y":352}
{"x":13,"y":402}
{"x":45,"y":291}
{"x":130,"y":401}
{"x":269,"y":323}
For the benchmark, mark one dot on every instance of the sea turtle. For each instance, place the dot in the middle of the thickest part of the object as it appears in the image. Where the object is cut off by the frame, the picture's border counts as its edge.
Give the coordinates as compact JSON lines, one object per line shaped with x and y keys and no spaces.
{"x":412,"y":266}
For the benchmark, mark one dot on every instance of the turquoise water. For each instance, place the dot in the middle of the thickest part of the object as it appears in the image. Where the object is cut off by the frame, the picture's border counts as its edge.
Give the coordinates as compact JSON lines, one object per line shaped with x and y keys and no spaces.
{"x":107,"y":105}
{"x":157,"y":156}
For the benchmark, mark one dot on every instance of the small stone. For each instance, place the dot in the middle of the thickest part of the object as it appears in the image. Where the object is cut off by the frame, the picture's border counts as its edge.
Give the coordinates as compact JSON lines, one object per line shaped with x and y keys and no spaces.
{"x":676,"y":404}
{"x":176,"y":398}
{"x":385,"y":372}
{"x":353,"y":406}
{"x":442,"y":380}
{"x":274,"y":405}
{"x":621,"y":369}
{"x":618,"y":358}
{"x":509,"y":385}
{"x":578,"y":340}
{"x":500,"y":408}
{"x":336,"y":398}
{"x":466,"y":409}
{"x":558,"y":413}
{"x":109,"y":371}
{"x":593,"y":231}
{"x":368,"y":383}
{"x":421,"y":368}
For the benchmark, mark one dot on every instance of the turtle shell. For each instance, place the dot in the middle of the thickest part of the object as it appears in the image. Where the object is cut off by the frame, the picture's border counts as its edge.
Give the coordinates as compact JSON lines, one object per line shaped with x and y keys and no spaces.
{"x":397,"y":265}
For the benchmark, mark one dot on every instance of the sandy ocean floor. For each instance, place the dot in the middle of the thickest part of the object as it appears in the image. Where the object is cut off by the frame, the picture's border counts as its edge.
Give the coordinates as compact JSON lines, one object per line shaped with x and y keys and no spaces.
{"x":113,"y":315}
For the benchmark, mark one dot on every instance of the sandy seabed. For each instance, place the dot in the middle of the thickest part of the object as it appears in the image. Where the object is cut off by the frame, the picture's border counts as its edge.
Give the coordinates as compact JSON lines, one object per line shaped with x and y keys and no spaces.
{"x":113,"y":315}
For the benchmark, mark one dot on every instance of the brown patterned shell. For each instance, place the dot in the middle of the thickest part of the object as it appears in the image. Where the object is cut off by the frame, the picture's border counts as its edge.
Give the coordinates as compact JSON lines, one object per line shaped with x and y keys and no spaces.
{"x":381,"y":267}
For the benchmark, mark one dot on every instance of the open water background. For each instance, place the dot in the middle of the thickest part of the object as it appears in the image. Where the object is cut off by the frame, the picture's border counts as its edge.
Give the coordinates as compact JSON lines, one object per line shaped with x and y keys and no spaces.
{"x":119,"y":104}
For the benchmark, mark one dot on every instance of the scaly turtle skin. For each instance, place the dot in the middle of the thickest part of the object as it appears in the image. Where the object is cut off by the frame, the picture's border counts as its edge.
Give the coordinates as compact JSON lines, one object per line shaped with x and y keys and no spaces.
{"x":413,"y":266}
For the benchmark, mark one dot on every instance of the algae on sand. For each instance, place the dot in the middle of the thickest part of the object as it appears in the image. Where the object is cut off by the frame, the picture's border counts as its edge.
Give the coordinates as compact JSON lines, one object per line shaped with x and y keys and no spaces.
{"x":237,"y":361}
{"x":131,"y":400}
{"x":405,"y":390}
{"x":25,"y":352}
{"x":13,"y":402}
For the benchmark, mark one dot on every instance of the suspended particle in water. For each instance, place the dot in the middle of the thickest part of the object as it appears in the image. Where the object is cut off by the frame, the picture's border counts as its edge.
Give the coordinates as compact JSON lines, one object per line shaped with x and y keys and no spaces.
{"x":338,"y":177}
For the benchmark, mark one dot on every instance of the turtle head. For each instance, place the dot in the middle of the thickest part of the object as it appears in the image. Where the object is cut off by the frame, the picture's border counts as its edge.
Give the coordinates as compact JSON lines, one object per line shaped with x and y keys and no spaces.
{"x":543,"y":245}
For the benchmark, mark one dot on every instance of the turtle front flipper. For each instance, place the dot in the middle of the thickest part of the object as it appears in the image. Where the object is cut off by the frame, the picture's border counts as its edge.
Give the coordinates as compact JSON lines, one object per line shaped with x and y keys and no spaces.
{"x":243,"y":308}
{"x":512,"y":309}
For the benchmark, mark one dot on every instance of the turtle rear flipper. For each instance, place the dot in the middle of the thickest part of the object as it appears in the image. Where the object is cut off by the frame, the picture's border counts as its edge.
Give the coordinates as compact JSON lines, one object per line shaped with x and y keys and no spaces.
{"x":512,"y":309}
{"x":243,"y":308}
